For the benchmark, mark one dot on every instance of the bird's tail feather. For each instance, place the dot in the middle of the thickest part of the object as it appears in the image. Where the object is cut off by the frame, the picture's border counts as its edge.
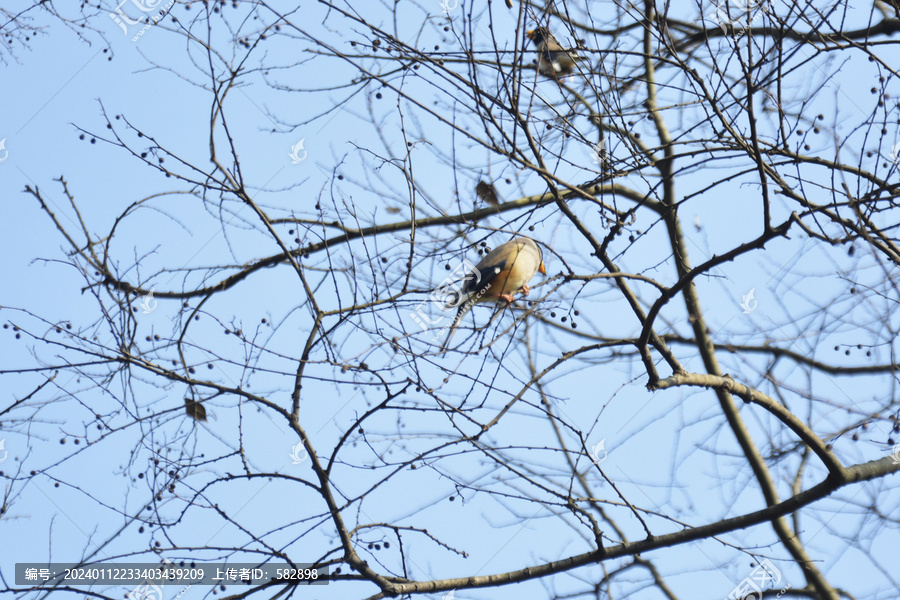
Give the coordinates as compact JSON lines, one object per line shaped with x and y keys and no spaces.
{"x":463,"y":309}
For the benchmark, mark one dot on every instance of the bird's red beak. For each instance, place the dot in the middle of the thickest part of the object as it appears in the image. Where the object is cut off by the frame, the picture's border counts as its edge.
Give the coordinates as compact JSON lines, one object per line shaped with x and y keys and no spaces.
{"x":542,"y":269}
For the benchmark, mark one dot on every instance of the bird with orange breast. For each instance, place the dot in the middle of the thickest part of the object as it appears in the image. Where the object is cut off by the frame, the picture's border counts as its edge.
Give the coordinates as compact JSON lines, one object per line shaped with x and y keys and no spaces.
{"x":500,"y":275}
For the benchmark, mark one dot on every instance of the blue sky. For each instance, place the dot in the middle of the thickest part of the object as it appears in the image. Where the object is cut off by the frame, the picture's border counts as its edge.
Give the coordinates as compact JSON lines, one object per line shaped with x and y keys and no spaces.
{"x":668,"y":450}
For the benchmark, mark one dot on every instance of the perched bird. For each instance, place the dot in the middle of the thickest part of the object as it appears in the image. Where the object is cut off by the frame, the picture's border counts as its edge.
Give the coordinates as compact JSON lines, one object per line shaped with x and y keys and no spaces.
{"x":498,"y":276}
{"x":486,"y":192}
{"x":553,"y":59}
{"x":194,"y":409}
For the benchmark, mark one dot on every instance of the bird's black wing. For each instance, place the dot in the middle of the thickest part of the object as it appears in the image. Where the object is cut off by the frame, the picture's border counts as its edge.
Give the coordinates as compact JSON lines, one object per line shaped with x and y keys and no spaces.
{"x":478,"y":280}
{"x":483,"y":277}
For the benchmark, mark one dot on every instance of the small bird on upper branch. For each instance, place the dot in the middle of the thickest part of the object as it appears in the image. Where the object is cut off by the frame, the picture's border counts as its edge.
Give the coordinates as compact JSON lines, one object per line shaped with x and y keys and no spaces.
{"x":553,"y":59}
